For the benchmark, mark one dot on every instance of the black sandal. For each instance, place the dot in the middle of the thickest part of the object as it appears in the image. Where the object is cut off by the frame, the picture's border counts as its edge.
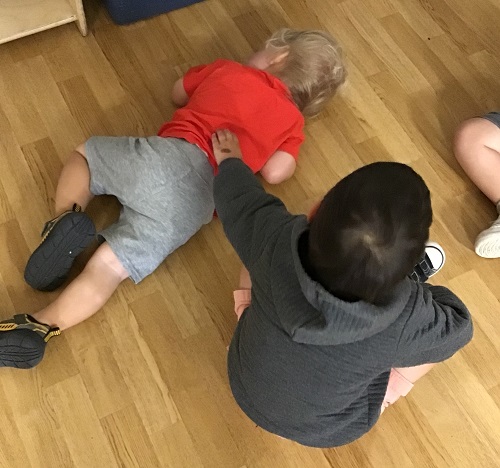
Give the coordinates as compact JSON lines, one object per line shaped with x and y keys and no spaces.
{"x":63,"y":239}
{"x":23,"y":340}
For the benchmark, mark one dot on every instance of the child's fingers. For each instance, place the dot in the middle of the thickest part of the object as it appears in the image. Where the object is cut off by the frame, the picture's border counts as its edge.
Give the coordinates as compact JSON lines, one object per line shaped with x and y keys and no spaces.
{"x":218,"y":138}
{"x":224,"y":134}
{"x":225,"y":142}
{"x":232,"y":136}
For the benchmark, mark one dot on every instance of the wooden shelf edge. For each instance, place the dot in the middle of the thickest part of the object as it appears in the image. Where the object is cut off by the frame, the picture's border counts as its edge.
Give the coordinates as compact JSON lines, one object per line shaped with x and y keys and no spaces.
{"x":28,"y":32}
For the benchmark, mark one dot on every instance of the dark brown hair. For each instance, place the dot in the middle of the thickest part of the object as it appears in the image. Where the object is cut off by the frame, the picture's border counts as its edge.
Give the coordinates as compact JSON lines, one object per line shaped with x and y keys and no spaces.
{"x":369,"y":231}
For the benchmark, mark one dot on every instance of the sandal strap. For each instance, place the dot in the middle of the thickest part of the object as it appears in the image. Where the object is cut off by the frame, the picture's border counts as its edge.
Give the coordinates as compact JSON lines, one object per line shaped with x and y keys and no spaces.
{"x":47,"y":227}
{"x":27,"y":322}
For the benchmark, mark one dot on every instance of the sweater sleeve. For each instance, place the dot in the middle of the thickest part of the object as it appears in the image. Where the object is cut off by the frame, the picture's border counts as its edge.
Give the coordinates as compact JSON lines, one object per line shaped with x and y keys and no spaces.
{"x":250,"y":216}
{"x":437,"y":328}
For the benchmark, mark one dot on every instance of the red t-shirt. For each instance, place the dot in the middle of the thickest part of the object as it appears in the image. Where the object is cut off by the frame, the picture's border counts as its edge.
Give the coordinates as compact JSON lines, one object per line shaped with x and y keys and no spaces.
{"x":252,"y":103}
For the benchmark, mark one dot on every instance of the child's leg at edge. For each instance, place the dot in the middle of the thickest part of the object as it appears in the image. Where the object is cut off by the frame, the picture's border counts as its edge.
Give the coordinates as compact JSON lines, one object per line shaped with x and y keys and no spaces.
{"x":243,"y":295}
{"x":87,"y":293}
{"x":412,"y":374}
{"x":74,"y":182}
{"x":477,"y":149}
{"x":401,"y":381}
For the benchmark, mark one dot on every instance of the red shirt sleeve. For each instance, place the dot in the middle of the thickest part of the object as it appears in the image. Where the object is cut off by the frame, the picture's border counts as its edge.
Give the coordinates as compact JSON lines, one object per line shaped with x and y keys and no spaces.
{"x":292,"y":144}
{"x":196,"y":75}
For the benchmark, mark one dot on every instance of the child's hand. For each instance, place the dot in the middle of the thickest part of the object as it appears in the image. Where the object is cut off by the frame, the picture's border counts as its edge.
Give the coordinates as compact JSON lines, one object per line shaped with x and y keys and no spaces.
{"x":226,"y":145}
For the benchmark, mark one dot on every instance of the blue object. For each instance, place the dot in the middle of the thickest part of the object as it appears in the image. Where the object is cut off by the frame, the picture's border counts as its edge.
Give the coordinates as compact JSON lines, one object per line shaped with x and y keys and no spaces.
{"x":128,"y":11}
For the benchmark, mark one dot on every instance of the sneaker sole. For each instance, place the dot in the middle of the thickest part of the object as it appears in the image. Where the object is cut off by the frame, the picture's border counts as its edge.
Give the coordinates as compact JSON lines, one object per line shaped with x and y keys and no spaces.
{"x":49,"y":265}
{"x":21,"y":349}
{"x":488,"y":245}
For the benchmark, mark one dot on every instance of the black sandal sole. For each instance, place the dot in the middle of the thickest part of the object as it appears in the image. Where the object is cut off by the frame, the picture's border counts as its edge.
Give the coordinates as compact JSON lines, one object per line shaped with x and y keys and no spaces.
{"x":21,"y":349}
{"x":49,"y":265}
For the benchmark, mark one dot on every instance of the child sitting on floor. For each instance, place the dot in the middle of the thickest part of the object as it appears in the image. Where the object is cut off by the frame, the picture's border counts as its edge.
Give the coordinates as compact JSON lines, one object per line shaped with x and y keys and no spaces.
{"x":335,"y":330}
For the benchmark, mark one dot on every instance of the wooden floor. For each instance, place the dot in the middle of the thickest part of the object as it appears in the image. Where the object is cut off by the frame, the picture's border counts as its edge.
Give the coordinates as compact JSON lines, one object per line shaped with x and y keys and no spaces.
{"x":143,"y":383}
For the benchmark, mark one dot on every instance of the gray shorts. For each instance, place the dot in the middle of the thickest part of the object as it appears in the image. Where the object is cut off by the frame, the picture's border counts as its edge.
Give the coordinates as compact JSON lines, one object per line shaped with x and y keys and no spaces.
{"x":165,"y":187}
{"x":493,"y":117}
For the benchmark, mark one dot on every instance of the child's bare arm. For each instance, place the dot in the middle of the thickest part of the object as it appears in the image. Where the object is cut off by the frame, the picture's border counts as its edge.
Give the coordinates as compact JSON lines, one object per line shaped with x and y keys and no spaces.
{"x":179,"y":95}
{"x":280,"y":167}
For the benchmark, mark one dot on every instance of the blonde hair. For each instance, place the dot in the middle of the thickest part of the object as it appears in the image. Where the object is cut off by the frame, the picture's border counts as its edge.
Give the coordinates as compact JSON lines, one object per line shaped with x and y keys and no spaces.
{"x":313,"y":69}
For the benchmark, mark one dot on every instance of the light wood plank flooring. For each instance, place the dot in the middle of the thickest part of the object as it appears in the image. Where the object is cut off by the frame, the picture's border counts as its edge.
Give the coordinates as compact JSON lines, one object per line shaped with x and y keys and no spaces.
{"x":143,"y":383}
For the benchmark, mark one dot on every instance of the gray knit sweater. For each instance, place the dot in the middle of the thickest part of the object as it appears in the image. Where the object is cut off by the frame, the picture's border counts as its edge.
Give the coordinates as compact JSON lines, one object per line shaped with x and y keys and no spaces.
{"x":304,"y":364}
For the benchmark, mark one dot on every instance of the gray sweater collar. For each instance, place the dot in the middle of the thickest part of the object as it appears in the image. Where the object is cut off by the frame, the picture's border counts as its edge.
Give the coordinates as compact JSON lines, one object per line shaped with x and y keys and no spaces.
{"x":338,"y":321}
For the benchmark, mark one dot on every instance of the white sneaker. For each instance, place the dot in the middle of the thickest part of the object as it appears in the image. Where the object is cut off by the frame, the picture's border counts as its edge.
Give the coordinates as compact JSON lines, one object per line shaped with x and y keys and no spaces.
{"x":488,"y":242}
{"x":432,"y":261}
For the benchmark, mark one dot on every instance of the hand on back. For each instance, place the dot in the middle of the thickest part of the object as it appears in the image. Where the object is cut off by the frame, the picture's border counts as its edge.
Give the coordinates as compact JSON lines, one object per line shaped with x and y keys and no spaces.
{"x":226,"y":145}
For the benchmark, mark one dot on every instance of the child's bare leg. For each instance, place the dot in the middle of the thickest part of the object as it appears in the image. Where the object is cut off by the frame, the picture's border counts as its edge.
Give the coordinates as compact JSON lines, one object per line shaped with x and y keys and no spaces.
{"x":23,"y":337}
{"x":87,"y":293}
{"x":412,"y":374}
{"x":401,"y":382}
{"x":243,"y":295}
{"x":74,"y":182}
{"x":477,"y":149}
{"x":245,"y":281}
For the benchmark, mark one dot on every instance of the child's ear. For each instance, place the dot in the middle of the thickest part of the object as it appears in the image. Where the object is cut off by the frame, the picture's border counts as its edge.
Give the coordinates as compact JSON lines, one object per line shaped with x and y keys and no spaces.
{"x":279,"y":57}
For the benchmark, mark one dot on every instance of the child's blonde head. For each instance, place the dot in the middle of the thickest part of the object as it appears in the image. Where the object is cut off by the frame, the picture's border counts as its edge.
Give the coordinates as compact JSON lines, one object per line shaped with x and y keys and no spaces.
{"x":313,"y":68}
